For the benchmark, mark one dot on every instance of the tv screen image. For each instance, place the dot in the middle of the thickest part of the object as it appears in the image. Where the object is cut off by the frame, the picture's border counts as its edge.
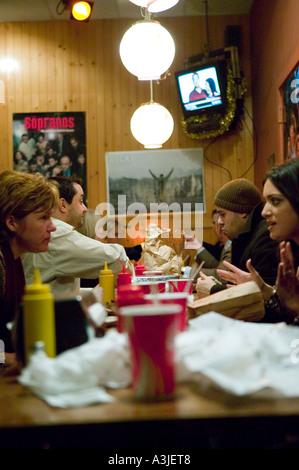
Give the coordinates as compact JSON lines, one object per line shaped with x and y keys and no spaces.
{"x":202,"y":89}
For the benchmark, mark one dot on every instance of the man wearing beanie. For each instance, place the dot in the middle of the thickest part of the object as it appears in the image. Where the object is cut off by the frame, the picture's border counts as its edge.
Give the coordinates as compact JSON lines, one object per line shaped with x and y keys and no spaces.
{"x":239,"y":206}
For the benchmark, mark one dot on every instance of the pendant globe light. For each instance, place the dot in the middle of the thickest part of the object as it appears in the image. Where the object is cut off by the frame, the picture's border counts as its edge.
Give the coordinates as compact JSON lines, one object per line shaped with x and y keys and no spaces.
{"x":152,"y":124}
{"x":155,"y":6}
{"x":147,"y":50}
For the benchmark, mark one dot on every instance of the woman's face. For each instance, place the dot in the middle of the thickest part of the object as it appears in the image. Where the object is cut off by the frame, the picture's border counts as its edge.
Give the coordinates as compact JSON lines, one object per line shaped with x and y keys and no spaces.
{"x":33,"y":232}
{"x":283,"y":221}
{"x":208,"y":89}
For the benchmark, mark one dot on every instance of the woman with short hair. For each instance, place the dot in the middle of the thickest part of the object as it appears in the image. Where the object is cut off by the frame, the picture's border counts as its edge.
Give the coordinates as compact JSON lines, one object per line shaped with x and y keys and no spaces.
{"x":26,"y":204}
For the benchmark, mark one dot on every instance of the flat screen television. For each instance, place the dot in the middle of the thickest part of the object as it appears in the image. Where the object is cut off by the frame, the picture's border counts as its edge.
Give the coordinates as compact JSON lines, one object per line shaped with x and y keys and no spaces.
{"x":202,"y":88}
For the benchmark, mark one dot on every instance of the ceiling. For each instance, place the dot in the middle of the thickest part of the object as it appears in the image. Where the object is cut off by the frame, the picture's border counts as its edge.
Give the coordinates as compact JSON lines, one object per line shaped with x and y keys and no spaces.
{"x":46,"y":10}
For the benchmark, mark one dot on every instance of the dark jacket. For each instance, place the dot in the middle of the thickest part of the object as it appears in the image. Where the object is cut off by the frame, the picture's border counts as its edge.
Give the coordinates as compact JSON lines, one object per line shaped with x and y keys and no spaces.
{"x":255,"y":243}
{"x":214,"y":250}
{"x":11,"y":272}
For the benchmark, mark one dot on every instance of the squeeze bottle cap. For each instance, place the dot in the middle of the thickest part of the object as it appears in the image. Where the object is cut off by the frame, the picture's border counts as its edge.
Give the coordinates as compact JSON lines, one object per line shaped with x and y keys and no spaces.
{"x":37,"y":287}
{"x":106,"y":270}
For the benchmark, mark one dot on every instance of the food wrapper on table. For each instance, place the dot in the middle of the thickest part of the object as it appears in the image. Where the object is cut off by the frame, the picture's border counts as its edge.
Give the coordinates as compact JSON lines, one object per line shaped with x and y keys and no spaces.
{"x":238,"y":357}
{"x":163,"y":249}
{"x":242,"y":302}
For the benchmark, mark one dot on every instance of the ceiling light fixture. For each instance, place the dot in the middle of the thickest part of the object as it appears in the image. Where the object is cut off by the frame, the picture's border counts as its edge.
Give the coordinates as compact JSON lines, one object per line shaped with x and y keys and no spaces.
{"x":80,"y":11}
{"x":151,"y":124}
{"x":147,"y":50}
{"x":155,"y":6}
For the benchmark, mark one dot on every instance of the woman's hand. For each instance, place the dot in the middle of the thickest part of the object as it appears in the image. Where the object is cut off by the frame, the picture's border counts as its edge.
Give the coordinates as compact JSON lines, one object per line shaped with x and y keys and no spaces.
{"x":287,"y":281}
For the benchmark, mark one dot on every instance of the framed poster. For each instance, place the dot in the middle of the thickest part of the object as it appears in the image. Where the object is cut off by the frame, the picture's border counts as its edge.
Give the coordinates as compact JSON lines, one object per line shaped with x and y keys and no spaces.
{"x":51,"y":144}
{"x":153,"y":178}
{"x":290,"y":96}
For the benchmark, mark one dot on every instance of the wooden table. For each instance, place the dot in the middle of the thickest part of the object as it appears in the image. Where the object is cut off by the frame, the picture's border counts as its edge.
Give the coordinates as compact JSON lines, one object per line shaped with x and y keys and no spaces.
{"x":188,"y":421}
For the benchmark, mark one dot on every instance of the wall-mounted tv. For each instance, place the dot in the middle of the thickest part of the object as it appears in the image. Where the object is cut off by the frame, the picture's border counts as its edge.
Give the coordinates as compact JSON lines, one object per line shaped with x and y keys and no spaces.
{"x":202,"y":88}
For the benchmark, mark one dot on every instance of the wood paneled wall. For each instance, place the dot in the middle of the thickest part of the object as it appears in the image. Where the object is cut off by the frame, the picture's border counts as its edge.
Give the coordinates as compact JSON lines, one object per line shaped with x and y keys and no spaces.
{"x":272,"y":66}
{"x":68,"y":66}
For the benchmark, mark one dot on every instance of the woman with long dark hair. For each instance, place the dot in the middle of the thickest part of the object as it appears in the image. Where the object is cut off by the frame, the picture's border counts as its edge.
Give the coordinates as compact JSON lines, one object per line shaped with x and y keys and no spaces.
{"x":281,"y":210}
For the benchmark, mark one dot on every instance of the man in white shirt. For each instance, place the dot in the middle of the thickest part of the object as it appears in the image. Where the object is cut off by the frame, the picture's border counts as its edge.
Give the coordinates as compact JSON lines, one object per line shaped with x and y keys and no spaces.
{"x":72,"y":255}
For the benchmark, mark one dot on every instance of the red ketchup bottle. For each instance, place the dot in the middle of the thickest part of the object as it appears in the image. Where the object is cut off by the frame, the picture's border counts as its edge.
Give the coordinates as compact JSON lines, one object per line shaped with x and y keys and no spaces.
{"x":124,"y":278}
{"x":128,"y":294}
{"x":139,"y":269}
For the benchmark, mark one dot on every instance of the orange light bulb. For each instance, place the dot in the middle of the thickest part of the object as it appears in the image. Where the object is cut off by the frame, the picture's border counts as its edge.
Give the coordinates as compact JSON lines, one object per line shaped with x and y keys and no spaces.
{"x":81,"y":11}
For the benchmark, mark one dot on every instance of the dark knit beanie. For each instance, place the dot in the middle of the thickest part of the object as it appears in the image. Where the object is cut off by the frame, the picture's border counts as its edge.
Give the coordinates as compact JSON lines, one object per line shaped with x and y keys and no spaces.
{"x":239,"y":195}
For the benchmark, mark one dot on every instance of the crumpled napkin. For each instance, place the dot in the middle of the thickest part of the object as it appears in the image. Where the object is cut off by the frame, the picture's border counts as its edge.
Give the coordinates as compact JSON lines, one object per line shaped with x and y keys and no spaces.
{"x":241,"y":358}
{"x":76,"y":377}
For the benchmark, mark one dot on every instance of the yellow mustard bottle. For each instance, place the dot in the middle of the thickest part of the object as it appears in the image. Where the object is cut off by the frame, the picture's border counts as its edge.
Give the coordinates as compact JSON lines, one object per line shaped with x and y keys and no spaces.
{"x":106,"y":281}
{"x":39,"y":317}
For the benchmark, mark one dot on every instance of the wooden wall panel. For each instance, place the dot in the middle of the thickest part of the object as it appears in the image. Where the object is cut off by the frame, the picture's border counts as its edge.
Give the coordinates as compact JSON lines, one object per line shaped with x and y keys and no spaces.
{"x":275,"y":53}
{"x":67,"y":66}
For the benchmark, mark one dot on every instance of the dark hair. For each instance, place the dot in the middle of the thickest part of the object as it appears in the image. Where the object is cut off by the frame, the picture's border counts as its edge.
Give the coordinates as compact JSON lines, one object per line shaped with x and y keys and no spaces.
{"x":286,"y":178}
{"x":212,"y":85}
{"x":22,"y":155}
{"x":66,"y":186}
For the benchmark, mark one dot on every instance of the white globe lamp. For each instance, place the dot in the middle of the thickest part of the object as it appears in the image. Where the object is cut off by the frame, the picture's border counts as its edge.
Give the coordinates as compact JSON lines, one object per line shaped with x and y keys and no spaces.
{"x":147,"y":50}
{"x":152,"y":125}
{"x":155,"y":6}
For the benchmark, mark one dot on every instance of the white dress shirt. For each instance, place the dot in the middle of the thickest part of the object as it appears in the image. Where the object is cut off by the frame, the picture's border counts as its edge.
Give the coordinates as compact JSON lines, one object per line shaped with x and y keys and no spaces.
{"x":71,"y":256}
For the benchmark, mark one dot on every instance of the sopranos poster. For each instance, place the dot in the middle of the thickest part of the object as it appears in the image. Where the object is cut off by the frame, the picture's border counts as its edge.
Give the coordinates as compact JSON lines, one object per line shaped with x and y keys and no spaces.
{"x":51,"y":144}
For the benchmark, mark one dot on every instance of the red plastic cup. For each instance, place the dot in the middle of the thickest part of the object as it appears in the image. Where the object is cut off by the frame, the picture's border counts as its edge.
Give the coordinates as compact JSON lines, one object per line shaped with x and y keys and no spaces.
{"x":177,"y":298}
{"x":154,"y":287}
{"x":151,"y":331}
{"x":181,"y":285}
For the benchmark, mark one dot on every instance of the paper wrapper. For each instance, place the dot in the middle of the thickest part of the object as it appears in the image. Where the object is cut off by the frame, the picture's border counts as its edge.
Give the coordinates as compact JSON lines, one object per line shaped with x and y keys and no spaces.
{"x":242,"y":302}
{"x":163,"y":249}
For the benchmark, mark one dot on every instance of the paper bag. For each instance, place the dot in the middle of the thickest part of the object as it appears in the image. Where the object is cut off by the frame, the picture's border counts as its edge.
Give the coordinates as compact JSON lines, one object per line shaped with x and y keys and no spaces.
{"x":163,"y":249}
{"x":242,"y":302}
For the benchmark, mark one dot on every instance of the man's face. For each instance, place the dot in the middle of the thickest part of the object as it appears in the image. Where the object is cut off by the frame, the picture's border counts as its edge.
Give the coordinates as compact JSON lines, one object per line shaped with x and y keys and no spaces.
{"x":217,"y":229}
{"x":65,"y":163}
{"x":231,"y":222}
{"x":196,"y":80}
{"x":77,"y":208}
{"x":52,"y":161}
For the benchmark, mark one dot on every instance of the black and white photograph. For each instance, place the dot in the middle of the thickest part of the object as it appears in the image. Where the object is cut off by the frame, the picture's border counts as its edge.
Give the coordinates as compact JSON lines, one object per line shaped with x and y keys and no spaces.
{"x":156,"y":176}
